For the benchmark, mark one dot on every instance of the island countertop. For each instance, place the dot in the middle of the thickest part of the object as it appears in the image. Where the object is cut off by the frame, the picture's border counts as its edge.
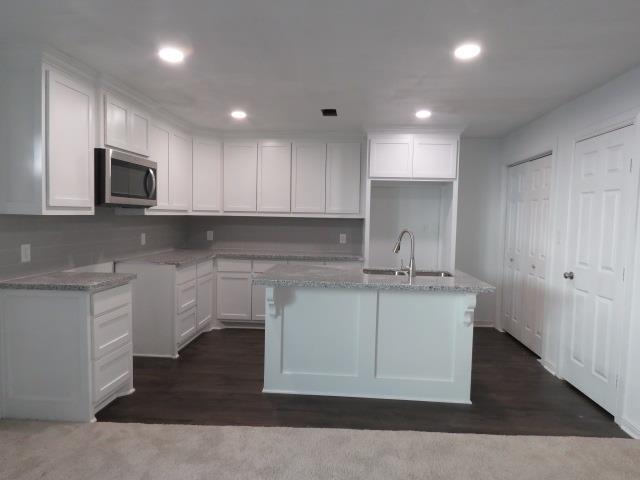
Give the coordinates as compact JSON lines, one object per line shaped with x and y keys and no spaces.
{"x":347,"y":276}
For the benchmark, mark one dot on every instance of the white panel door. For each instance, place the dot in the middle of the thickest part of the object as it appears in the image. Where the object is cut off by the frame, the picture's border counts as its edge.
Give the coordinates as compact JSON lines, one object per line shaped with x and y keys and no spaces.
{"x":159,"y":140}
{"x":434,"y":157}
{"x":390,"y":156}
{"x":308,"y":177}
{"x":240,"y":176}
{"x":258,"y":302}
{"x":515,"y":261}
{"x":234,"y":296}
{"x":601,"y":221}
{"x":274,"y":177}
{"x":538,"y":194}
{"x":138,"y":133}
{"x":69,"y":143}
{"x":116,"y":118}
{"x":207,"y":175}
{"x":204,"y":308}
{"x":343,"y":178}
{"x":180,"y":171}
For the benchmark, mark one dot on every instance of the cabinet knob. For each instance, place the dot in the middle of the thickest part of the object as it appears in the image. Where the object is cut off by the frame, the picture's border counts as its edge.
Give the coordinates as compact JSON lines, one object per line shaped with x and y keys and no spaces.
{"x":568,"y":275}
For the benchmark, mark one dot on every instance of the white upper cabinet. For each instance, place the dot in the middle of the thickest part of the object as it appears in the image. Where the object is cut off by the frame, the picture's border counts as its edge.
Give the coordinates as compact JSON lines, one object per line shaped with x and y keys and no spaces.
{"x":159,"y":140}
{"x":343,"y":178}
{"x":308,"y":177}
{"x":390,"y":156}
{"x":274,"y":177}
{"x":424,"y":156}
{"x":434,"y":157}
{"x":240,"y":160}
{"x":180,"y":171}
{"x":207,"y":175}
{"x":125,"y":127}
{"x":70,"y":139}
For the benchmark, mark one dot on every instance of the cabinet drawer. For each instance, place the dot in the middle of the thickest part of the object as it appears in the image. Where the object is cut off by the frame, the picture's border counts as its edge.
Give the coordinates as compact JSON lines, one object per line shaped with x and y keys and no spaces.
{"x":112,"y":299}
{"x":111,"y":330}
{"x":228,"y":265}
{"x":186,"y":296}
{"x":205,"y":268}
{"x":186,"y":274}
{"x":185,"y":326}
{"x":112,"y":372}
{"x":262,"y":266}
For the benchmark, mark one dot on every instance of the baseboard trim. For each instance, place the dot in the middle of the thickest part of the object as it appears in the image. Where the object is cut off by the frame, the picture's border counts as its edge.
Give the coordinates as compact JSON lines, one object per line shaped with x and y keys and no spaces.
{"x":630,"y":428}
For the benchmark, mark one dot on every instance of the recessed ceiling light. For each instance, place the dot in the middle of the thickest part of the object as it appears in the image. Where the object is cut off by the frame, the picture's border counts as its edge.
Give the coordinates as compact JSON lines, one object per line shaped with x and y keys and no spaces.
{"x":239,"y":114}
{"x":422,"y":114}
{"x":467,"y":51}
{"x":171,"y":54}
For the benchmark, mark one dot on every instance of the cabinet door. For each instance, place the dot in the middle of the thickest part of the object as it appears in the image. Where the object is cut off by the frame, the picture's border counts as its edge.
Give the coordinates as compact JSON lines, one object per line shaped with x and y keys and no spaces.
{"x":234,"y":296}
{"x":274,"y":177}
{"x":258,"y":298}
{"x":390,"y":156}
{"x":308,"y":177}
{"x":185,"y":326}
{"x":116,"y":130}
{"x":435,"y":157}
{"x":138,"y":132}
{"x":69,"y":143}
{"x":343,"y":178}
{"x":207,"y":164}
{"x":240,"y":176}
{"x":180,"y":165}
{"x":159,"y":139}
{"x":205,"y":301}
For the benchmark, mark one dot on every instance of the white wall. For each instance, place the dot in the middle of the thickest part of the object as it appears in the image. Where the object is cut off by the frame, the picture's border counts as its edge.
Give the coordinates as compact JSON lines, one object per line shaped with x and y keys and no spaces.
{"x":477,"y":249}
{"x":608,"y":105}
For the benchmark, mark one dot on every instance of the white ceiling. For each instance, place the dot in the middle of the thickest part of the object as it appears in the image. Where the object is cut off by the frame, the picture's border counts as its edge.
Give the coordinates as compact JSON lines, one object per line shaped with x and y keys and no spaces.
{"x":376,"y":61}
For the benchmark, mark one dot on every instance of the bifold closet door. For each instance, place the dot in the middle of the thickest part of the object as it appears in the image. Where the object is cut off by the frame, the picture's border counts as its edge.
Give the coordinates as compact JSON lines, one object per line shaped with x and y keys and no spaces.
{"x":602,"y":210}
{"x":526,"y":251}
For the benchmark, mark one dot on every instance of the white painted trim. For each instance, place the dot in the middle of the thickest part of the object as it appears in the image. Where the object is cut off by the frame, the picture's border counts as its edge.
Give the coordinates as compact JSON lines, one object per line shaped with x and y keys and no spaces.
{"x":632,"y":430}
{"x":368,"y":395}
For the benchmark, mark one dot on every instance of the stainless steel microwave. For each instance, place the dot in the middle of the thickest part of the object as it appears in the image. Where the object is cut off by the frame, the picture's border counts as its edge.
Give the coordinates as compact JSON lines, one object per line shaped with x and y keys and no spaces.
{"x":124,"y":179}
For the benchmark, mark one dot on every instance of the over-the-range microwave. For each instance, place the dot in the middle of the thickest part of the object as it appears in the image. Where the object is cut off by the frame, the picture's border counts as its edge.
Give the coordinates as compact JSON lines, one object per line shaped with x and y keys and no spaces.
{"x":124,"y":179}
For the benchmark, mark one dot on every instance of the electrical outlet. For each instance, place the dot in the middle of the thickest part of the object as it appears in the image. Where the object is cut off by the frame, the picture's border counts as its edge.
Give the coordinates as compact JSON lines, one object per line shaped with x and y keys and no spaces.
{"x":143,"y":239}
{"x":343,"y":238}
{"x":25,"y":253}
{"x":210,"y":235}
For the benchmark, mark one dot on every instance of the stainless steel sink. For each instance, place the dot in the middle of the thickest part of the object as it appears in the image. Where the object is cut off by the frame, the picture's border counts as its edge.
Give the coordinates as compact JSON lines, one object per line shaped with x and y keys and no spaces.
{"x":398,"y":273}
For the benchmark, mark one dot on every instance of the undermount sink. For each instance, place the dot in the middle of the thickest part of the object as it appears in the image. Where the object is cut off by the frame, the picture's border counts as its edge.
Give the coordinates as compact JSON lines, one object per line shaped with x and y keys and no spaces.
{"x":398,"y":273}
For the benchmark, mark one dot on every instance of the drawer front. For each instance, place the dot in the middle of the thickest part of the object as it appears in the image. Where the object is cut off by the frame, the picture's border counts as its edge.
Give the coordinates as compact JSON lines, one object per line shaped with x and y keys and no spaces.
{"x":186,"y":296}
{"x":111,"y":331}
{"x":112,"y":372}
{"x":186,"y":274}
{"x":111,"y":299}
{"x":205,"y":268}
{"x":260,"y":266}
{"x":186,"y":326}
{"x":228,"y":265}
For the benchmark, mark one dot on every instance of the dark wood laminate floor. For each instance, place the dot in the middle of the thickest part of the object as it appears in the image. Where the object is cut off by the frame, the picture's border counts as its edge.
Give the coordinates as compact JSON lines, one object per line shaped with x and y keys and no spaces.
{"x":218,"y":380}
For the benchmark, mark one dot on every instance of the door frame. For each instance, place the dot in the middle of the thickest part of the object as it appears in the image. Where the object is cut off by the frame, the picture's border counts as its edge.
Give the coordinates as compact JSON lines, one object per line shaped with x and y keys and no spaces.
{"x":627,"y":119}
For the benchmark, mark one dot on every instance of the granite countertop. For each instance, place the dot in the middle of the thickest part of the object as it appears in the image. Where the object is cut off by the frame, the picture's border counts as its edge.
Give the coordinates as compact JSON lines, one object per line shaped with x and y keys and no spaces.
{"x":339,"y":276}
{"x":185,"y":257}
{"x":77,"y":281}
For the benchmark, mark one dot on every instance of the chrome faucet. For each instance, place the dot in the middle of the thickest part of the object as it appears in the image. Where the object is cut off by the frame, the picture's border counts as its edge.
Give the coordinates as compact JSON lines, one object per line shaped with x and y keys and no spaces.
{"x":411,"y":270}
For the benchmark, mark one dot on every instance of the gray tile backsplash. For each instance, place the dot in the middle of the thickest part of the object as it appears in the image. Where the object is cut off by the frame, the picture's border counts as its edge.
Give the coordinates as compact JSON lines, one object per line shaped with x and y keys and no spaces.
{"x":306,"y":235}
{"x":61,"y":242}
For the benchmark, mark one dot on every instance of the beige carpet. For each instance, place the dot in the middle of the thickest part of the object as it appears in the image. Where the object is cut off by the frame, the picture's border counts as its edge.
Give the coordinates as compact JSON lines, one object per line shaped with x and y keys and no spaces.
{"x":30,"y":450}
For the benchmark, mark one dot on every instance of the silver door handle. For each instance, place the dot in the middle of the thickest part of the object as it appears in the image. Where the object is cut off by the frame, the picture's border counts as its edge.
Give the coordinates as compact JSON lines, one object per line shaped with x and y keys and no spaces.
{"x":154,"y":185}
{"x":568,"y":275}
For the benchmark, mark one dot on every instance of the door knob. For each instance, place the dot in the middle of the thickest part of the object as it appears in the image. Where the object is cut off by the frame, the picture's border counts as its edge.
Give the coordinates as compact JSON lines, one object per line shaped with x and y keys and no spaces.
{"x":568,"y":275}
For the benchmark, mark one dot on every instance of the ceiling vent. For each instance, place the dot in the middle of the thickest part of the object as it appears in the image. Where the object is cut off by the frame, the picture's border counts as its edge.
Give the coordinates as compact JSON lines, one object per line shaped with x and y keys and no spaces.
{"x":329,"y":112}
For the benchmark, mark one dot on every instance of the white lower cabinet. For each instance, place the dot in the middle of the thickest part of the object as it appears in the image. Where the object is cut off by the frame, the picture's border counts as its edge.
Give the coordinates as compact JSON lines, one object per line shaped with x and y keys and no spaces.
{"x":234,"y":296}
{"x":65,"y":354}
{"x":172,"y":306}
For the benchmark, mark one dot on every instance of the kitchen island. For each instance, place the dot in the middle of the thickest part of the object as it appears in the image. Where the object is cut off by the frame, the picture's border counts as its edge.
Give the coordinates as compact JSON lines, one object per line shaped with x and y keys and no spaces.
{"x":334,"y":330}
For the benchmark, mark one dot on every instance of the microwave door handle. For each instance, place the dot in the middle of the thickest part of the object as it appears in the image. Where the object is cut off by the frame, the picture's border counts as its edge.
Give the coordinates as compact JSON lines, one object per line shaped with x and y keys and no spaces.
{"x":154,"y":184}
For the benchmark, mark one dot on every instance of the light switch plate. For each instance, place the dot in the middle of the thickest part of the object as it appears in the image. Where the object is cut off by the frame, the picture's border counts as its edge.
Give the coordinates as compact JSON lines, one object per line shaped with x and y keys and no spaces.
{"x":143,"y":239}
{"x":343,"y":238}
{"x":210,"y":235}
{"x":25,"y":253}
